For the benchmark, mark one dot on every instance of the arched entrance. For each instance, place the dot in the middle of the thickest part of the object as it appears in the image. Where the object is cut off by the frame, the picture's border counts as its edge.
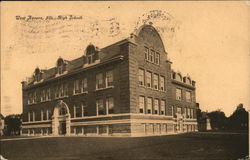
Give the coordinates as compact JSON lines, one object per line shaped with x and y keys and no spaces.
{"x":61,"y":119}
{"x":180,"y":123}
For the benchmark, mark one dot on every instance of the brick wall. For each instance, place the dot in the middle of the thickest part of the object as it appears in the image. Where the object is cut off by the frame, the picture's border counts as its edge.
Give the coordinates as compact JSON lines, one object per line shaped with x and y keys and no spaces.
{"x":120,"y":92}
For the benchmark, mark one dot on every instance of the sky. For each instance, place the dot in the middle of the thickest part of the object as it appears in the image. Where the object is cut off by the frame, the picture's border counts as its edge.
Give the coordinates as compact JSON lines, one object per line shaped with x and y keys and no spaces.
{"x":210,"y":41}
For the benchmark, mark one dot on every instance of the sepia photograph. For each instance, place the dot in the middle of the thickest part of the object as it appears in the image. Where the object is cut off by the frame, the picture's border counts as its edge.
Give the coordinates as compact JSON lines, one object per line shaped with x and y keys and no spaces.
{"x":125,"y":80}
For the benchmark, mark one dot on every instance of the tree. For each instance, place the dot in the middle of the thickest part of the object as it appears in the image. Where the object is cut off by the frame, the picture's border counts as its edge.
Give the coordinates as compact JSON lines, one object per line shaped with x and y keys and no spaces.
{"x":239,"y":119}
{"x":13,"y":123}
{"x":218,"y":120}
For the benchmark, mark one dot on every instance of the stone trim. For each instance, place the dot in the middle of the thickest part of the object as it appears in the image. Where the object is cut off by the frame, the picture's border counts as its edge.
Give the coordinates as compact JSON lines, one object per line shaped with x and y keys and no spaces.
{"x":37,"y":126}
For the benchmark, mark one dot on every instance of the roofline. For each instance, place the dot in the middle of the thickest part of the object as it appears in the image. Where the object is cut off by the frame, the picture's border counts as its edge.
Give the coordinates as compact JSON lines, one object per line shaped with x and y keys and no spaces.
{"x":75,"y":72}
{"x":183,"y":84}
{"x":119,"y":43}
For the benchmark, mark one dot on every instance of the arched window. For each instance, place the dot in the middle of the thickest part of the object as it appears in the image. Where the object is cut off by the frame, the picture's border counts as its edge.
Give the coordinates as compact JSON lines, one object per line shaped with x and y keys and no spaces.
{"x":188,"y":81}
{"x":37,"y":75}
{"x":91,"y":53}
{"x":178,"y":77}
{"x":62,"y":111}
{"x":60,"y":66}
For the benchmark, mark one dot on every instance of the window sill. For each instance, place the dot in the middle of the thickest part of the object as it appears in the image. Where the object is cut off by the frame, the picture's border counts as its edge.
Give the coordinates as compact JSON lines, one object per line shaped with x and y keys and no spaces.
{"x":43,"y":121}
{"x":86,"y":92}
{"x":40,"y":102}
{"x":61,"y":97}
{"x":152,"y":62}
{"x":97,"y":116}
{"x":109,"y":87}
{"x":152,"y":88}
{"x":150,"y":114}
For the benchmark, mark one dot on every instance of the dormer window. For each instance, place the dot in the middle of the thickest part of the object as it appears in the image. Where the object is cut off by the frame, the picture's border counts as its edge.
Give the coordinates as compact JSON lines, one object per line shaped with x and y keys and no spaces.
{"x":60,"y":70}
{"x":188,"y":81}
{"x":37,"y":75}
{"x":61,"y":66}
{"x":179,"y":77}
{"x":91,"y":54}
{"x":90,"y":59}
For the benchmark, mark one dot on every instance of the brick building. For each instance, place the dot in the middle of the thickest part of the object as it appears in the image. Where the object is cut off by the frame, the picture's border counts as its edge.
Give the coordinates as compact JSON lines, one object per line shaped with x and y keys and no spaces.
{"x":125,"y":89}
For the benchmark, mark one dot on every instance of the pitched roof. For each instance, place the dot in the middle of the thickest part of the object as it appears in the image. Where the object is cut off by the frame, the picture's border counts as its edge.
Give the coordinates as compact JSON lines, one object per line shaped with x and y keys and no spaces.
{"x":105,"y":54}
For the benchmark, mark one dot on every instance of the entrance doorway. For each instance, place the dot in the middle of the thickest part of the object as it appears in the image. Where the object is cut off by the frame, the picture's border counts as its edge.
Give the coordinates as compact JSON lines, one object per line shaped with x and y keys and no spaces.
{"x":62,"y":126}
{"x":61,"y":119}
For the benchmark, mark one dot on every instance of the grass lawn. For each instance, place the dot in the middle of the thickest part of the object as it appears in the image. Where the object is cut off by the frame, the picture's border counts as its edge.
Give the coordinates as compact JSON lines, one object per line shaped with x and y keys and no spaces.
{"x":193,"y":146}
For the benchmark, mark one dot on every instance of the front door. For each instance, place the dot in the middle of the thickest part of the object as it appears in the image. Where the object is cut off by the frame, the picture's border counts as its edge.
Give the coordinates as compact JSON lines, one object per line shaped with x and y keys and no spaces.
{"x":62,"y":128}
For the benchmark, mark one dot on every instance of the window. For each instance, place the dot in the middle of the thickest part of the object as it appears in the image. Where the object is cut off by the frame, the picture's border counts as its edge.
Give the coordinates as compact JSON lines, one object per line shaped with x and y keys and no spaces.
{"x":156,"y":81}
{"x":77,"y":89}
{"x":179,"y":110}
{"x":56,"y":91}
{"x":157,"y":58}
{"x":62,"y":111}
{"x":99,"y":81}
{"x":44,"y":115}
{"x":146,"y":52}
{"x":84,"y":85}
{"x":151,"y":56}
{"x":163,"y":107}
{"x":49,"y":114}
{"x":34,"y":97}
{"x":178,"y":94}
{"x":110,"y":105}
{"x":189,"y":81}
{"x":41,"y":115}
{"x":37,"y":77}
{"x":60,"y":69}
{"x":31,"y":116}
{"x":48,"y":96}
{"x":188,"y":96}
{"x":30,"y":98}
{"x":90,"y":52}
{"x":61,"y":91}
{"x":100,"y":107}
{"x":141,"y":104}
{"x":191,"y":113}
{"x":185,"y":112}
{"x":156,"y":106}
{"x":172,"y":110}
{"x":178,"y":77}
{"x":65,"y":89}
{"x":34,"y":116}
{"x":43,"y":95}
{"x":109,"y":78}
{"x":90,"y":59}
{"x":60,"y":66}
{"x":78,"y":110}
{"x":149,"y":79}
{"x":84,"y":112}
{"x":188,"y":113}
{"x":141,"y":77}
{"x":149,"y":105}
{"x":162,"y":83}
